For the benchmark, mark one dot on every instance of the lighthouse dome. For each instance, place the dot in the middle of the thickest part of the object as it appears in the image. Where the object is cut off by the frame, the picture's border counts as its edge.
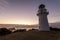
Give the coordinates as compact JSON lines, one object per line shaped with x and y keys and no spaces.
{"x":42,"y":6}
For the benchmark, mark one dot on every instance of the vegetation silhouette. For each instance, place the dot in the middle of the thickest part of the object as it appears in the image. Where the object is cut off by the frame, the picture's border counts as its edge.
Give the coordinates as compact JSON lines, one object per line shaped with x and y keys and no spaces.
{"x":20,"y":30}
{"x":4,"y":31}
{"x":54,"y":29}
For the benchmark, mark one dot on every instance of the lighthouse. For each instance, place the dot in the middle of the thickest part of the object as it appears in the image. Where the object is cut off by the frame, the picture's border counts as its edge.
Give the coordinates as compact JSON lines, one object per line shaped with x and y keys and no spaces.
{"x":43,"y":21}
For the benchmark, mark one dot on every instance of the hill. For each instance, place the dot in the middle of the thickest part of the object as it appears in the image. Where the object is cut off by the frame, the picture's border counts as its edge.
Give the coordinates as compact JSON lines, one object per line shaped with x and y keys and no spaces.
{"x":32,"y":35}
{"x":55,"y":25}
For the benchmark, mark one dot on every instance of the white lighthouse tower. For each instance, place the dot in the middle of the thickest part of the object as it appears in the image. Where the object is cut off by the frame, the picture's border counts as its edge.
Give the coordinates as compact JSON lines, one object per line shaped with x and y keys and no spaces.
{"x":43,"y":21}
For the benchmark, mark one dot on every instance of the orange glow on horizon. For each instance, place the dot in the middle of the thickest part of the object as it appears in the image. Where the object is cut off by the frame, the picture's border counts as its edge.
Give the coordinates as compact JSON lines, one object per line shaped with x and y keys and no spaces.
{"x":23,"y":22}
{"x":19,"y":22}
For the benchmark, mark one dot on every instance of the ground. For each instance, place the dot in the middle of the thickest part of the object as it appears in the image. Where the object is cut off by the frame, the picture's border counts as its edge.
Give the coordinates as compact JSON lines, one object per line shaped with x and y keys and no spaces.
{"x":32,"y":35}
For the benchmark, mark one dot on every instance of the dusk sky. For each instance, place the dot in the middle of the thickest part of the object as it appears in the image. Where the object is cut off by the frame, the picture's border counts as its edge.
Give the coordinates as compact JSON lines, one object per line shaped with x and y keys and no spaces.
{"x":24,"y":11}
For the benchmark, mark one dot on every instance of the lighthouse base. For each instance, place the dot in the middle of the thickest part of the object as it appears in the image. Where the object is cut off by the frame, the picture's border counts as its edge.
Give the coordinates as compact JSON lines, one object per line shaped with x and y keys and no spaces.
{"x":44,"y":29}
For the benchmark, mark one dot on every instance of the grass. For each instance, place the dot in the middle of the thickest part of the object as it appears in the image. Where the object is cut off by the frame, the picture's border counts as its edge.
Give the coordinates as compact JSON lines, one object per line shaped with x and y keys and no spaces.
{"x":32,"y":35}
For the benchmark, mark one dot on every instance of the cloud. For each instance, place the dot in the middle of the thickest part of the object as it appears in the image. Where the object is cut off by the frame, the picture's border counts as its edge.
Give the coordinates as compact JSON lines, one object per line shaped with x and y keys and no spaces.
{"x":3,"y":4}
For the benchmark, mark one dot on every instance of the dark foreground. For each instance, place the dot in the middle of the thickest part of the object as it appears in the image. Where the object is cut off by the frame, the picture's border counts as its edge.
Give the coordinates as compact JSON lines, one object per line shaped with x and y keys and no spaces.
{"x":32,"y":35}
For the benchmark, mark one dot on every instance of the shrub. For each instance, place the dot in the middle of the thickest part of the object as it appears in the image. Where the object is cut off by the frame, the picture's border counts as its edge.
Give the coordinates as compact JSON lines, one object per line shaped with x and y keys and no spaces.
{"x":20,"y":30}
{"x":4,"y":31}
{"x":54,"y":29}
{"x":33,"y":29}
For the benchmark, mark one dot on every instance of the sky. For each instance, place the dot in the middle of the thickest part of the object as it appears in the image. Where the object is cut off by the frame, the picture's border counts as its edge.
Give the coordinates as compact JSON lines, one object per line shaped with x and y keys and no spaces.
{"x":24,"y":11}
